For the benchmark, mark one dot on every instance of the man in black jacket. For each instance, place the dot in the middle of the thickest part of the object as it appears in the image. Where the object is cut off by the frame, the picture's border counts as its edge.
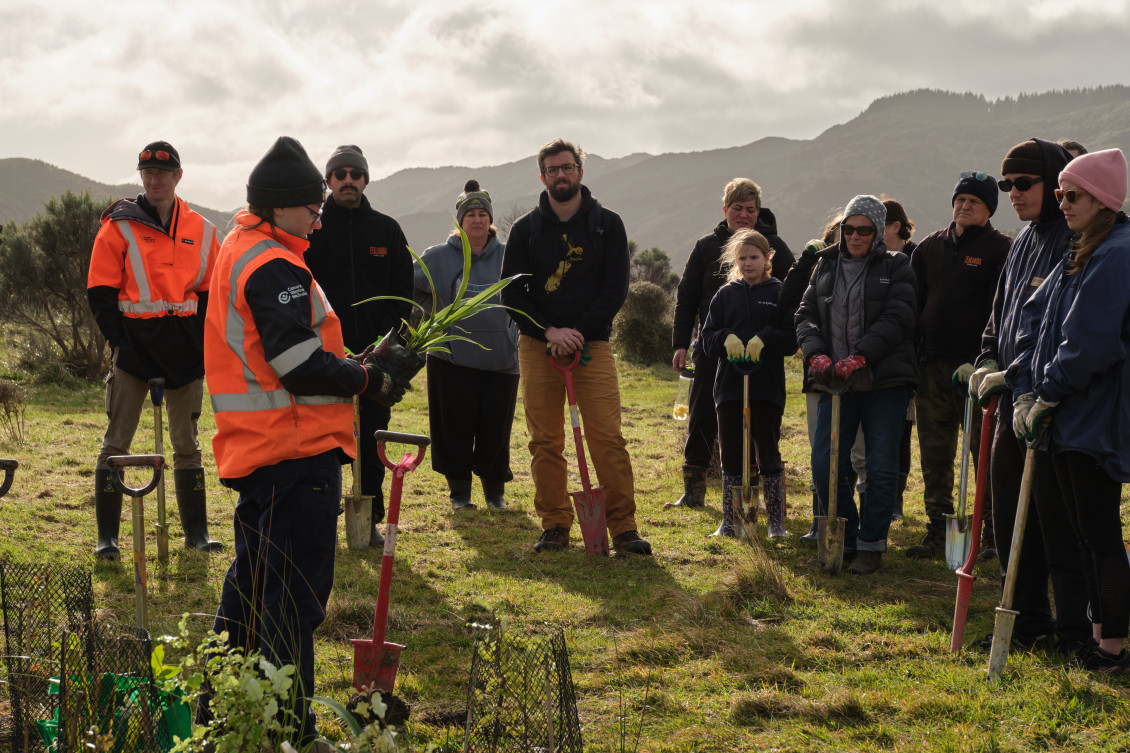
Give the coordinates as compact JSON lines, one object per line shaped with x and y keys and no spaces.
{"x":574,"y":255}
{"x":702,"y":276}
{"x":957,"y":269}
{"x":360,"y":253}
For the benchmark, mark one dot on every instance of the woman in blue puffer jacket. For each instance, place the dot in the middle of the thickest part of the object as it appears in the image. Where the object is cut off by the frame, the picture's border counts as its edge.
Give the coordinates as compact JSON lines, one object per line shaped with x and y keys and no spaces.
{"x":1074,"y":382}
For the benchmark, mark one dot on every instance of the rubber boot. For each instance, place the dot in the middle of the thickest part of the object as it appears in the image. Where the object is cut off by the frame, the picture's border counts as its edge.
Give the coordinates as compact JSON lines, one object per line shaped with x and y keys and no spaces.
{"x":694,"y":488}
{"x":933,"y":544}
{"x":729,"y":483}
{"x":811,"y":535}
{"x":494,"y":492}
{"x":773,"y":486}
{"x":192,"y":504}
{"x":107,"y":514}
{"x":897,"y":513}
{"x":460,"y":493}
{"x":988,"y":539}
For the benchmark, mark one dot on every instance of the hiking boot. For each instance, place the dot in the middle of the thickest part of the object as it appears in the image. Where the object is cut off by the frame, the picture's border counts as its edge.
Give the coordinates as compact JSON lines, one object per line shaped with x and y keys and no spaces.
{"x":553,"y":540}
{"x":629,"y":542}
{"x":933,"y":544}
{"x":460,"y":493}
{"x":865,"y":562}
{"x":1094,"y":659}
{"x":694,"y":488}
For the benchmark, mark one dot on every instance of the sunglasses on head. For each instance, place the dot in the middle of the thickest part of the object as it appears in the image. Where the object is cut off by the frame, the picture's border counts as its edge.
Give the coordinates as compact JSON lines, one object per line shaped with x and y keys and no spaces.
{"x":1072,"y":196}
{"x":864,"y":231}
{"x":1023,"y":183}
{"x":354,"y":173}
{"x":974,"y":174}
{"x":148,"y":154}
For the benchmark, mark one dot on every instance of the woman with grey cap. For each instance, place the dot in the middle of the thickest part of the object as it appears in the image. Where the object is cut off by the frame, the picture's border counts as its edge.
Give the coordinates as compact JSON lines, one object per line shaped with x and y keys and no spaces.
{"x":855,"y":326}
{"x":472,"y":390}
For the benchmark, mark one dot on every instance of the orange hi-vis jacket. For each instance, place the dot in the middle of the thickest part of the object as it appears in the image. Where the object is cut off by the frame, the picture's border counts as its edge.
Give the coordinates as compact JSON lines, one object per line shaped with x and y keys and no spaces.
{"x":251,"y":346}
{"x":148,"y":289}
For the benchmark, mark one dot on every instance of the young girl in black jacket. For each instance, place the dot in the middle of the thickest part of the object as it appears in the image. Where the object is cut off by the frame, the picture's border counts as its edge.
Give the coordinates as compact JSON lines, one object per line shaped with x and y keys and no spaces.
{"x":745,"y":325}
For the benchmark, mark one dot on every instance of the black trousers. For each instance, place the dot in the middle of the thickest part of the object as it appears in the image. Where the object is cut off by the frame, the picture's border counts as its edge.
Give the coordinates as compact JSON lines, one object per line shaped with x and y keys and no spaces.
{"x":1092,"y":500}
{"x":1050,"y":550}
{"x":374,"y":416}
{"x":702,"y":423}
{"x":764,"y":434}
{"x":470,"y":413}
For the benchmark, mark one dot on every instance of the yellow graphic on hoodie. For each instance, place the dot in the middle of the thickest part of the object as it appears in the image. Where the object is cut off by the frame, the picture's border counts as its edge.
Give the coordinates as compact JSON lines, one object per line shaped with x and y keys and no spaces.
{"x":572,"y":254}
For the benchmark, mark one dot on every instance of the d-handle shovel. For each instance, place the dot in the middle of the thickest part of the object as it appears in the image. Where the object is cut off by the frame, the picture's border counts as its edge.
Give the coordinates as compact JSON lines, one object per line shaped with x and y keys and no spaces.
{"x":9,"y":467}
{"x":958,"y":533}
{"x":157,"y":397}
{"x":358,"y":507}
{"x":374,"y":661}
{"x":1006,"y":616}
{"x":831,"y":529}
{"x":119,"y":464}
{"x":747,"y":498}
{"x":589,"y":502}
{"x":965,"y":575}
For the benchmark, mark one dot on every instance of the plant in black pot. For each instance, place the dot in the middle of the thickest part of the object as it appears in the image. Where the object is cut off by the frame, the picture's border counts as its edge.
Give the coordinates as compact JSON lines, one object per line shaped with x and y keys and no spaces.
{"x":402,"y":350}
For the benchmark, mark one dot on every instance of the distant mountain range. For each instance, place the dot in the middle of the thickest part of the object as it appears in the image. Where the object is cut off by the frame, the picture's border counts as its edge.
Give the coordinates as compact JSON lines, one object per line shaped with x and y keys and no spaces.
{"x":910,"y":146}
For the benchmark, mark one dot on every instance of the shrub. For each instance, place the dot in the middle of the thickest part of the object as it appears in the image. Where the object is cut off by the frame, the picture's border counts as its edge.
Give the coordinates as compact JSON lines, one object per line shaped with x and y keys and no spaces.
{"x":641,"y":332}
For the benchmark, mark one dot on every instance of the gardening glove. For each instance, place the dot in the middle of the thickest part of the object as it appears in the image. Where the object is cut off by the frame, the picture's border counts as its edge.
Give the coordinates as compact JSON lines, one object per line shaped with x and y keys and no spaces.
{"x":585,"y":355}
{"x":814,"y":246}
{"x":977,"y":381}
{"x":735,"y":349}
{"x":753,"y":349}
{"x":961,"y":377}
{"x":845,"y":367}
{"x":383,"y":387}
{"x":1020,"y":410}
{"x":820,"y":368}
{"x":394,"y":358}
{"x":1039,"y":417}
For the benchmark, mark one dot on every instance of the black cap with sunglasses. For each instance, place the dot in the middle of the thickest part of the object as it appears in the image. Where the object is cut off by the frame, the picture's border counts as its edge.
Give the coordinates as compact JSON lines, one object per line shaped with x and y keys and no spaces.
{"x":347,"y":155}
{"x":159,"y":154}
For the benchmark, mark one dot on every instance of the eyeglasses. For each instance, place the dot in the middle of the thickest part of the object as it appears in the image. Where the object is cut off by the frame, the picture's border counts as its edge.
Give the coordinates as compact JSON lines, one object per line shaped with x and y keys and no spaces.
{"x":974,"y":175}
{"x":553,"y":170}
{"x":356,"y":174}
{"x":162,"y":155}
{"x":1023,"y":183}
{"x":1072,"y":196}
{"x":317,"y":215}
{"x":864,"y":231}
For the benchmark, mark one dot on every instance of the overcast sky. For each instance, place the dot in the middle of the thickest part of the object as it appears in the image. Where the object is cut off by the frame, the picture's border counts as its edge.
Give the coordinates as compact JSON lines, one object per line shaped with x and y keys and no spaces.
{"x":87,"y":83}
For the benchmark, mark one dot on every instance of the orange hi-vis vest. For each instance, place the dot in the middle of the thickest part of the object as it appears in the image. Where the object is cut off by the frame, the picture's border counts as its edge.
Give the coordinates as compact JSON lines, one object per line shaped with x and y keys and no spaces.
{"x":258,"y":422}
{"x":156,"y":272}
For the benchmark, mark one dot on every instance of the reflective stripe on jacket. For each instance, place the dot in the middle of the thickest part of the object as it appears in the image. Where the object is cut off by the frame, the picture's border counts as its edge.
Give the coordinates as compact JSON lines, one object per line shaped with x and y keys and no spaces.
{"x":258,"y":421}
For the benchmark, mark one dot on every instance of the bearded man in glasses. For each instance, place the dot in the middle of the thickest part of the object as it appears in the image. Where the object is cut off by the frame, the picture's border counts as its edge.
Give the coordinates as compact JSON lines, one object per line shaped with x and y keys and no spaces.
{"x":1049,"y":550}
{"x":855,"y":326}
{"x":957,"y":269}
{"x":359,"y":253}
{"x":150,"y":271}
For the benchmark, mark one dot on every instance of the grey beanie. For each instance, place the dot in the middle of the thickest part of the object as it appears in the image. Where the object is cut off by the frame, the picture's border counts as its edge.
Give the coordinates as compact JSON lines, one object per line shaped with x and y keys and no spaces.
{"x":472,"y":198}
{"x":874,"y":210}
{"x":348,"y":155}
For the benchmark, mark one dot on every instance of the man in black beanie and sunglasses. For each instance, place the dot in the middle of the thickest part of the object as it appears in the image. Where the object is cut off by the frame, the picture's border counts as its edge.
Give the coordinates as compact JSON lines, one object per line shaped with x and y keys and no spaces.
{"x":360,"y":253}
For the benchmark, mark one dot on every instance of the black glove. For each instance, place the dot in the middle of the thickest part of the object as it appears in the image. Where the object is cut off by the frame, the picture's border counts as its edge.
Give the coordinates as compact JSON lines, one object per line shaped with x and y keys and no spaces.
{"x":394,"y":358}
{"x":386,"y":389}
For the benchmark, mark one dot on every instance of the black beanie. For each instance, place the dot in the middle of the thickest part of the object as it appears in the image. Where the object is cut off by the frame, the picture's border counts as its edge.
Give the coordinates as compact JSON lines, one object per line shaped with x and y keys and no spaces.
{"x":285,"y":177}
{"x":149,"y":157}
{"x":1026,"y":157}
{"x":984,"y":189}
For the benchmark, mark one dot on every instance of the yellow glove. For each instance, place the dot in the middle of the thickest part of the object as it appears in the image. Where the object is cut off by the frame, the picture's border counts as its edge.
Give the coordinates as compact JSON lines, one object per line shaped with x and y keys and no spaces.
{"x":735,"y":350}
{"x":753,"y":348}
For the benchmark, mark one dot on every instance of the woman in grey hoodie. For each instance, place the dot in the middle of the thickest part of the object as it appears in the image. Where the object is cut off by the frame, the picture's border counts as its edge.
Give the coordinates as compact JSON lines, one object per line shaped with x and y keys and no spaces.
{"x":473,"y":389}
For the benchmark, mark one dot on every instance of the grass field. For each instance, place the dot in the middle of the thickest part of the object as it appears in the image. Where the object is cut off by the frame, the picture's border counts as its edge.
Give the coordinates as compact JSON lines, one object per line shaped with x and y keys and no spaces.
{"x":707,"y":646}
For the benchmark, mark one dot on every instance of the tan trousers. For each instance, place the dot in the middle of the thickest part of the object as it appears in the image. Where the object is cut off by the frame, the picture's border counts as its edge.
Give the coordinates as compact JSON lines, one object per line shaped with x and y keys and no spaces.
{"x":598,"y":396}
{"x":126,"y":396}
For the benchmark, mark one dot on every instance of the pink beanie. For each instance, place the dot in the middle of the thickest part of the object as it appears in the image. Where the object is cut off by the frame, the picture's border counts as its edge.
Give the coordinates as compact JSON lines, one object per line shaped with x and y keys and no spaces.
{"x":1101,"y":174}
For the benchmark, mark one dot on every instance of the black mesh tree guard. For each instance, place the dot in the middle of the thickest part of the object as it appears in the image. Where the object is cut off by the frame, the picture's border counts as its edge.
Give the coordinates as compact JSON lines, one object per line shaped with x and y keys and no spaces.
{"x":40,"y":602}
{"x":520,"y":698}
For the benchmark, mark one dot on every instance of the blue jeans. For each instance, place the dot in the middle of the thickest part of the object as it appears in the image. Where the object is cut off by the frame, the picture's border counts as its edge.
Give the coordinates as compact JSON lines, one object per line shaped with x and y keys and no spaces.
{"x":276,"y":590}
{"x":881,"y":413}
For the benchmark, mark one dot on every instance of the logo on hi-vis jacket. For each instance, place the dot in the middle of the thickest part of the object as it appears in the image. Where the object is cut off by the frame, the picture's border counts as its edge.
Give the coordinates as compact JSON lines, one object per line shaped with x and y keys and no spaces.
{"x":572,"y":254}
{"x":378,"y":250}
{"x":189,"y":241}
{"x":294,"y":291}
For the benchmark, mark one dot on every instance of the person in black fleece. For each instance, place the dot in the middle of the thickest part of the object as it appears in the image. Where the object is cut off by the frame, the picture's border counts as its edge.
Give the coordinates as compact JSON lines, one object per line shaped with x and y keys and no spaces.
{"x":702,"y":277}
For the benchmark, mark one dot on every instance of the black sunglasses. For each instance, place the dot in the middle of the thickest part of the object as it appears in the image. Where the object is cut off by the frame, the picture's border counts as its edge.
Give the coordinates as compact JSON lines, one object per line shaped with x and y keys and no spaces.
{"x":1023,"y":183}
{"x":864,"y":231}
{"x":354,"y":173}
